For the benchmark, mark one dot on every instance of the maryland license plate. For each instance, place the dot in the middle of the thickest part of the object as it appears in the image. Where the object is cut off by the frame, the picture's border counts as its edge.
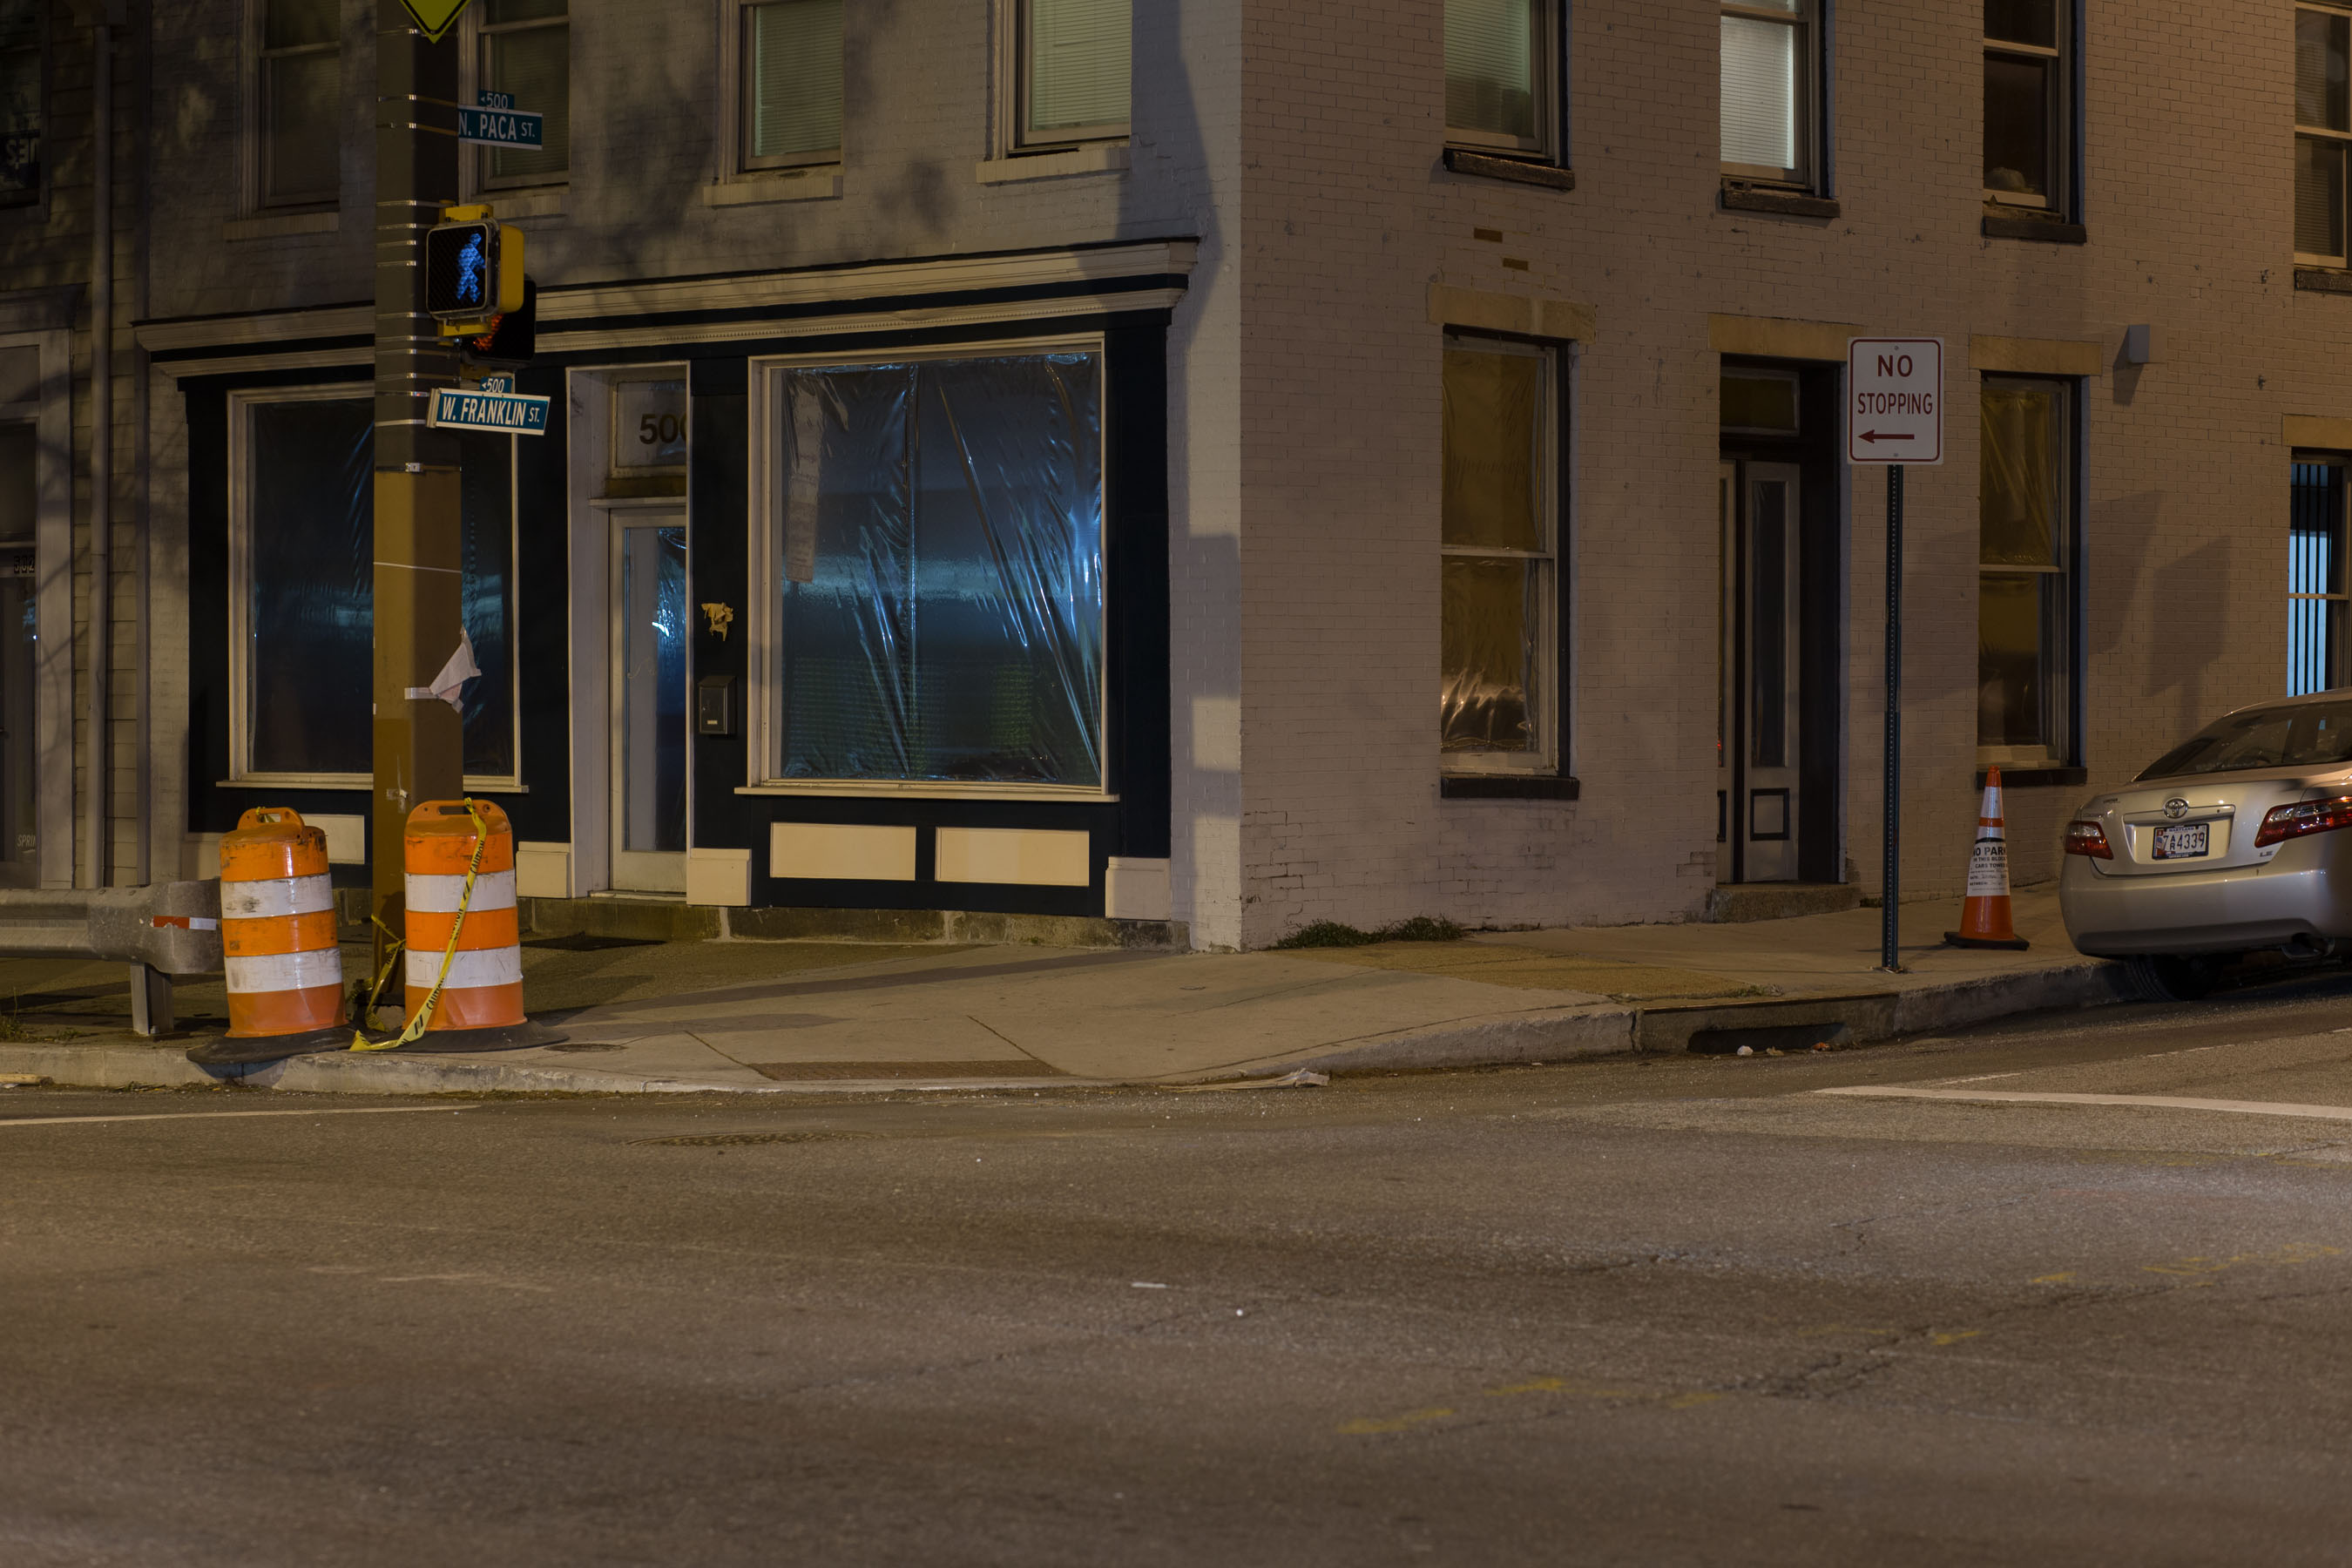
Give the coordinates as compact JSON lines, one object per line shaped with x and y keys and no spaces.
{"x":2187,"y":841}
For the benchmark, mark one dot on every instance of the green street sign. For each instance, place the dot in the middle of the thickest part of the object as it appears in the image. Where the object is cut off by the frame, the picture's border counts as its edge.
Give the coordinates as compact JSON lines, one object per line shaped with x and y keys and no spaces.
{"x":434,"y":17}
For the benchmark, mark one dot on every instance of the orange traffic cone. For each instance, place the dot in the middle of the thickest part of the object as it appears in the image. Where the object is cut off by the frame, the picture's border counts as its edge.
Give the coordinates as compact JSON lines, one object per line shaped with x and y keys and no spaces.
{"x":1984,"y":918}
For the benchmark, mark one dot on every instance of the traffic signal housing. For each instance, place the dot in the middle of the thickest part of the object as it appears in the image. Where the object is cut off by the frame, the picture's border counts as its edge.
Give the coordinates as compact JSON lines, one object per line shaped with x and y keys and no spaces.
{"x":473,"y":271}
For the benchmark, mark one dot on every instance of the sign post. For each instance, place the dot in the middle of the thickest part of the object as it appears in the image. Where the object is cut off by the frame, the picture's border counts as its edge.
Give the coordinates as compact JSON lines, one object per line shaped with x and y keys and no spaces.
{"x":1895,"y":416}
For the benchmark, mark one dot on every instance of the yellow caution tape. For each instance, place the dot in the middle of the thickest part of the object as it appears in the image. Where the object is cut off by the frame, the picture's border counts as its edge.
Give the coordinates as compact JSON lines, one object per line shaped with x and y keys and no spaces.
{"x":416,"y":1026}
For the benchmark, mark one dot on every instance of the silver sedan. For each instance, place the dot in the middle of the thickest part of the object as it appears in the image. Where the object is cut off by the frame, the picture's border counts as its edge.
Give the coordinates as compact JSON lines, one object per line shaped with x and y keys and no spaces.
{"x":2227,"y":845}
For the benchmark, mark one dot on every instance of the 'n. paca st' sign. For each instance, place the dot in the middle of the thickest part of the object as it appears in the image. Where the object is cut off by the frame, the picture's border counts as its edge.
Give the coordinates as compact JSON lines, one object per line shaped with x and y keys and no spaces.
{"x":1895,"y":400}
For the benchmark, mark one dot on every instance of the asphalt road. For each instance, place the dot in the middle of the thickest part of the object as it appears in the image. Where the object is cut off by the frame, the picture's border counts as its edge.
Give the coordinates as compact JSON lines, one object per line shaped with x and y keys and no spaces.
{"x":1688,"y":1311}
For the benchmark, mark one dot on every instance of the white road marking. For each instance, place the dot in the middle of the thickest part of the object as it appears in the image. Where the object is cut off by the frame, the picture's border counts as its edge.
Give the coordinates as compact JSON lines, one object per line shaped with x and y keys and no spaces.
{"x":2153,"y":1101}
{"x":224,"y":1115}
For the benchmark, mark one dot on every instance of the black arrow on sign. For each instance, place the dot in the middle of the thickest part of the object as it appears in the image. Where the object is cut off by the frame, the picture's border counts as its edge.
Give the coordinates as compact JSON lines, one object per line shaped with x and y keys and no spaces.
{"x":1886,"y":436}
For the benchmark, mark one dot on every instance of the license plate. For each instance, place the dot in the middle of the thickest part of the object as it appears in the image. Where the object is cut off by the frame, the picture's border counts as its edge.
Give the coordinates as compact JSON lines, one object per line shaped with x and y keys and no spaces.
{"x":2187,"y":841}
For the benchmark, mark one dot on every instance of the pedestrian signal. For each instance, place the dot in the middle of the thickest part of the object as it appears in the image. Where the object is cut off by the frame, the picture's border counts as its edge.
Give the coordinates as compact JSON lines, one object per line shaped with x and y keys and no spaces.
{"x":461,"y":270}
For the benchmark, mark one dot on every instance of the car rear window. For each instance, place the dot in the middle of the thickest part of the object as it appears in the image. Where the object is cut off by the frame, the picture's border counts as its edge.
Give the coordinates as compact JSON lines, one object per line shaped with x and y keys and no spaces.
{"x":2316,"y":735}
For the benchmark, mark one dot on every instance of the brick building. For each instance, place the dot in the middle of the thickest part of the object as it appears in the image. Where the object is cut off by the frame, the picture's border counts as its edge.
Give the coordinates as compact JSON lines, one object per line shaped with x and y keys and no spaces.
{"x":1240,"y":463}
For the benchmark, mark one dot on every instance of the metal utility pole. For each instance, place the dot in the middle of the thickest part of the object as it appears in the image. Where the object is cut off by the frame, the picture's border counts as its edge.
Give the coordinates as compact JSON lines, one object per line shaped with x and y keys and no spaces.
{"x":1889,"y":950}
{"x":419,"y":742}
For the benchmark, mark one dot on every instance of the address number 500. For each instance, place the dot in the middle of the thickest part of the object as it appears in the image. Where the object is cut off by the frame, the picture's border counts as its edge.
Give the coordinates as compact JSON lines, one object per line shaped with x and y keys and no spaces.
{"x":660,"y":429}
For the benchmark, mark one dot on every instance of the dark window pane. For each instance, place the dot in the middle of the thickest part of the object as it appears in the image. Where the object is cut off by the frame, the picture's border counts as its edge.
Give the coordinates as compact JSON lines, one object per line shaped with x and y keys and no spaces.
{"x":303,"y":151}
{"x":2318,"y":196}
{"x":20,"y":111}
{"x":18,"y":494}
{"x":2017,"y":124}
{"x":1768,"y":621}
{"x":2021,"y":463}
{"x":535,"y":65}
{"x":653,"y":691}
{"x":1757,"y":400}
{"x":2014,"y":655}
{"x":290,"y":23}
{"x":497,"y":11}
{"x":489,"y":710}
{"x":309,"y":561}
{"x":2032,"y":22}
{"x":1486,"y":638}
{"x":2322,"y":97}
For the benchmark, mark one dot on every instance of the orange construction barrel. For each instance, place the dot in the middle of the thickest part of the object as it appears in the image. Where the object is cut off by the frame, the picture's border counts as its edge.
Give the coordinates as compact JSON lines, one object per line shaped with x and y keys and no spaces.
{"x":482,"y":987}
{"x":278,"y":927}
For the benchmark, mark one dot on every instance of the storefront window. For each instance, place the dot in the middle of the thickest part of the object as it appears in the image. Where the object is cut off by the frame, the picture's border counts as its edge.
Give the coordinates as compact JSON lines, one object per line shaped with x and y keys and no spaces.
{"x":306,"y":553}
{"x":939,"y":547}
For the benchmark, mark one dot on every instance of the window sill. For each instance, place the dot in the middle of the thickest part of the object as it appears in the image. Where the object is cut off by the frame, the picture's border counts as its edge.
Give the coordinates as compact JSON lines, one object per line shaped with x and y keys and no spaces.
{"x":1107,"y":159}
{"x":1519,"y":171}
{"x":1505,"y":786}
{"x":539,"y":200}
{"x":279,"y":225}
{"x":931,"y":790}
{"x":2031,"y":777}
{"x":1738,"y":197}
{"x":2049,"y":230}
{"x":2319,"y":281}
{"x":757,"y":189}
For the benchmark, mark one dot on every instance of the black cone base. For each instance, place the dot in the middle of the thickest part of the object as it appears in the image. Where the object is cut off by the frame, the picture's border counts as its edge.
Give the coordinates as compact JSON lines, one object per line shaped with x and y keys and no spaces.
{"x":509,"y":1037}
{"x":231,"y":1050}
{"x":2014,"y":944}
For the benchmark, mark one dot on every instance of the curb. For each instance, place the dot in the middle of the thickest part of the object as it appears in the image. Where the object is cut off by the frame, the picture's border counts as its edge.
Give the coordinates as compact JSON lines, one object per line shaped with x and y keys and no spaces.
{"x":1542,"y":1036}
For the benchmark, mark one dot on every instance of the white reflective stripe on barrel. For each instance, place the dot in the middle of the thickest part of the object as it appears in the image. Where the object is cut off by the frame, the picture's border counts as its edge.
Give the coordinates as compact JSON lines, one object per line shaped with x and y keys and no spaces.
{"x":288,"y":970}
{"x":439,"y":895}
{"x":487,"y":966}
{"x":278,"y":896}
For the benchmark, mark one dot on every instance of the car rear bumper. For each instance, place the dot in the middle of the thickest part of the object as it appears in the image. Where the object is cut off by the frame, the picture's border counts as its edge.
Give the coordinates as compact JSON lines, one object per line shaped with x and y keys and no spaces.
{"x":2234,"y":910}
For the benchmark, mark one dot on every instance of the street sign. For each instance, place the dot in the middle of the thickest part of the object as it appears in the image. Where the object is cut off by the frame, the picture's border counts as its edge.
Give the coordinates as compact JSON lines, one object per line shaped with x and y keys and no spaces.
{"x":1895,"y":400}
{"x":501,"y":124}
{"x":434,"y":17}
{"x":504,"y":412}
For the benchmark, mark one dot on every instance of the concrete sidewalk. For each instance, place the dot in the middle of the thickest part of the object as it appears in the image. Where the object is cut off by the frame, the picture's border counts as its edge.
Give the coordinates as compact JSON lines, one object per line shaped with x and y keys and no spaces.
{"x":766,"y":1017}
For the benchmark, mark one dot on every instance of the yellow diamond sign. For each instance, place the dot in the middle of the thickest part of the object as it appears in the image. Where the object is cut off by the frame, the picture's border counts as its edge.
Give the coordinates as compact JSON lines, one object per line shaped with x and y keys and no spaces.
{"x":434,"y":17}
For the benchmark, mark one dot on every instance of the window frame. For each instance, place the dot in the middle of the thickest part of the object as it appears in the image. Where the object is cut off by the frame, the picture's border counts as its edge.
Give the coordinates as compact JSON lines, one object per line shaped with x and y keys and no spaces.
{"x":482,"y":33}
{"x":1547,"y":705}
{"x":1548,"y":49}
{"x":1012,"y":49}
{"x":258,"y":101}
{"x":2062,"y":671}
{"x":764,"y":692}
{"x":737,"y":62}
{"x":1810,"y":23}
{"x":2335,"y":614}
{"x":2342,"y":137}
{"x":241,"y":773}
{"x":36,"y":199}
{"x":2058,"y":113}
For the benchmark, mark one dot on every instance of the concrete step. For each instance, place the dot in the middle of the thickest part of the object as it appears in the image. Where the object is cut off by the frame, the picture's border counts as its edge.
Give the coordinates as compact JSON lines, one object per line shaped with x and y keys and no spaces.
{"x":1736,"y":903}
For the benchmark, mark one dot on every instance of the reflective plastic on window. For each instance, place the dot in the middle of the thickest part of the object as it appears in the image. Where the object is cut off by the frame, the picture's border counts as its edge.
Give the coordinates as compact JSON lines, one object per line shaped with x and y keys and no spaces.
{"x":1490,"y":70}
{"x":2022,"y":453}
{"x":310,"y":551}
{"x":1490,"y":618}
{"x":941,"y":602}
{"x":1493,"y":448}
{"x":1760,"y":93}
{"x":792,"y":68}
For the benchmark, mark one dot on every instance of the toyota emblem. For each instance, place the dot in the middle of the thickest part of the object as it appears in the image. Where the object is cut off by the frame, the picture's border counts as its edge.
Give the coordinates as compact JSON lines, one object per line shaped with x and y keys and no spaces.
{"x":2175,"y":808}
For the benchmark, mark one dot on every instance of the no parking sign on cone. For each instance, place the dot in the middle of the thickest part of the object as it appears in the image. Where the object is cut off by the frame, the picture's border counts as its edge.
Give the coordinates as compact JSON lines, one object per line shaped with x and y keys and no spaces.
{"x":1985,"y":916}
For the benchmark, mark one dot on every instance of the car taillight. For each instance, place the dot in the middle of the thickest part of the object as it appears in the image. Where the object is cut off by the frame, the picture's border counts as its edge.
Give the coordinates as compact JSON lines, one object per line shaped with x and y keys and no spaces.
{"x":2088,"y":839}
{"x":2286,"y":822}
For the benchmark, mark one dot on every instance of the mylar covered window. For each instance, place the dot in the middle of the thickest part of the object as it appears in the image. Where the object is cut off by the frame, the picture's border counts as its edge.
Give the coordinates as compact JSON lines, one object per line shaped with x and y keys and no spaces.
{"x":1499,"y":663}
{"x":304,"y":560}
{"x":939,"y":566}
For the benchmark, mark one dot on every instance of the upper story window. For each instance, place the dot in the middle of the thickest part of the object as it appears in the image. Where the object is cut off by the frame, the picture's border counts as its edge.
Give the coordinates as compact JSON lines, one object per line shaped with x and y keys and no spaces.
{"x":527,"y":51}
{"x":300,"y":78}
{"x":2025,"y":118}
{"x":20,"y":102}
{"x":2322,"y":124}
{"x":1771,"y":91}
{"x":1075,"y":59}
{"x":1501,"y":75}
{"x":792,"y":83}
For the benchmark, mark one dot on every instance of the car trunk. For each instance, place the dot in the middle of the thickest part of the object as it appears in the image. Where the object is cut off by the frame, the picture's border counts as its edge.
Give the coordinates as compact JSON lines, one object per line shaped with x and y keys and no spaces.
{"x":2153,"y":828}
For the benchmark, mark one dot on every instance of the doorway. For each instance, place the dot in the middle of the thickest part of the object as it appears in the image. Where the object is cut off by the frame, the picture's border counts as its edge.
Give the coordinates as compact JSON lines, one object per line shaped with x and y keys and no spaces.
{"x":648,"y":686}
{"x":1761,"y":708}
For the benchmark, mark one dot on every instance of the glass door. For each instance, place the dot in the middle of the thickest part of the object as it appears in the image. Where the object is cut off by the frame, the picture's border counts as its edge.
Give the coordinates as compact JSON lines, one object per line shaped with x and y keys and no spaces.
{"x":1758,"y":708}
{"x":649,"y":680}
